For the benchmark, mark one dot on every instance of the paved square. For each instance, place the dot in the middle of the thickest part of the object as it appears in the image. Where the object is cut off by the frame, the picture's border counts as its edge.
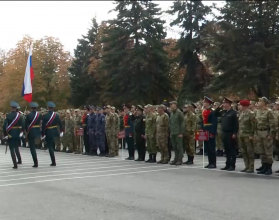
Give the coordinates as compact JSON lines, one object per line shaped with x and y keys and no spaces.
{"x":97,"y":188}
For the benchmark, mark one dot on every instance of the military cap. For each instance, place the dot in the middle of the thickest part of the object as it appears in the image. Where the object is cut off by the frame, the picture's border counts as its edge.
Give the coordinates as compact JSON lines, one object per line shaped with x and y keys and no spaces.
{"x":34,"y":104}
{"x":161,"y":106}
{"x":277,"y":102}
{"x":112,"y":107}
{"x":227,"y":100}
{"x":244,"y":102}
{"x":173,"y":102}
{"x":139,"y":107}
{"x":216,"y":103}
{"x":148,"y":106}
{"x":194,"y":105}
{"x":98,"y":108}
{"x":68,"y":111}
{"x":51,"y":104}
{"x":208,"y":100}
{"x":92,"y":107}
{"x":264,"y":99}
{"x":77,"y":110}
{"x":14,"y":104}
{"x":108,"y":106}
{"x":127,"y":106}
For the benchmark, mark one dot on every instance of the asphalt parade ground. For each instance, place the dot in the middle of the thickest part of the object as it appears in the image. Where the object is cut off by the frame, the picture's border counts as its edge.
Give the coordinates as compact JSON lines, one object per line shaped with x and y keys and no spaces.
{"x":100,"y":188}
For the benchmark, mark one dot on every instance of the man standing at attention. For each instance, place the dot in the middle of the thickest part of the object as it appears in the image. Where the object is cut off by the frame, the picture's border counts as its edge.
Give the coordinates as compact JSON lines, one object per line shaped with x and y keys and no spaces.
{"x":177,"y":129}
{"x":210,"y":125}
{"x":129,"y":131}
{"x":162,"y":134}
{"x":229,"y":127}
{"x":150,"y":132}
{"x":190,"y":127}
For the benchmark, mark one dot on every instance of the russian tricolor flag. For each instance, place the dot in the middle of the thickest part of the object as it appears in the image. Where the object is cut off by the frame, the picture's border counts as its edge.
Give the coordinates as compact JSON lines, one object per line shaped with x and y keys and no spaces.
{"x":28,"y":78}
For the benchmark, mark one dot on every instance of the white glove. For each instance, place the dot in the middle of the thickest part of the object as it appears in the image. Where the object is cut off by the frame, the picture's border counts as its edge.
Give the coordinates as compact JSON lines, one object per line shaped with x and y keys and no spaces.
{"x":6,"y":137}
{"x":61,"y":134}
{"x":43,"y":137}
{"x":21,"y":134}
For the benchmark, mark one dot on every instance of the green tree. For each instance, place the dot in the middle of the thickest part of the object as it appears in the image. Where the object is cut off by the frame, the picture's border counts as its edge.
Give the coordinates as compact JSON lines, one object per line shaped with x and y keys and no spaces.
{"x":84,"y":87}
{"x":134,"y":62}
{"x":190,"y":18}
{"x":245,"y":48}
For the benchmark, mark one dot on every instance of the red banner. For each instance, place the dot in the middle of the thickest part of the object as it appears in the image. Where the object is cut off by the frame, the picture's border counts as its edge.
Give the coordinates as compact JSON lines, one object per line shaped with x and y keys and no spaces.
{"x":201,"y":135}
{"x":121,"y":135}
{"x":79,"y":132}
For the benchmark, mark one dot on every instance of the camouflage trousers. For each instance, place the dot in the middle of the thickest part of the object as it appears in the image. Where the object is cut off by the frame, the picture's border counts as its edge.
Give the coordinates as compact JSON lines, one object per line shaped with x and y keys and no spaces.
{"x":189,"y":144}
{"x":247,"y":151}
{"x":78,"y":146}
{"x":57,"y":143}
{"x":68,"y":141}
{"x":219,"y":142}
{"x":162,"y":143}
{"x":264,"y":146}
{"x":151,"y":144}
{"x":112,"y":143}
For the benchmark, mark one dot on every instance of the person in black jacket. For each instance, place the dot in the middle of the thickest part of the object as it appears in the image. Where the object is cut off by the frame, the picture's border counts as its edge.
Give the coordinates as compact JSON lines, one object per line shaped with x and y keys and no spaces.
{"x":229,"y":126}
{"x":139,"y":125}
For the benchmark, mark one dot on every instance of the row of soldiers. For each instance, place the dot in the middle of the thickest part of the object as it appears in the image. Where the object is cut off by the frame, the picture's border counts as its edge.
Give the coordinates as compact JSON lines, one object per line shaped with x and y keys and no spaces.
{"x":155,"y":127}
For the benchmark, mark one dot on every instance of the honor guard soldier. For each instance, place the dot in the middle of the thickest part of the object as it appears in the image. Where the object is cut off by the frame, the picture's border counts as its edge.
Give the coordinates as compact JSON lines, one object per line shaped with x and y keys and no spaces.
{"x":210,"y":125}
{"x":139,"y":124}
{"x":33,"y":129}
{"x":129,"y":131}
{"x":13,"y":132}
{"x":229,"y":128}
{"x":49,"y":129}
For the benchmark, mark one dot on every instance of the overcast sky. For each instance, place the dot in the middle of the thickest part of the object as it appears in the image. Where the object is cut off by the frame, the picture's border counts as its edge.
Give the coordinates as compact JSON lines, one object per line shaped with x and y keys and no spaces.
{"x":66,"y":20}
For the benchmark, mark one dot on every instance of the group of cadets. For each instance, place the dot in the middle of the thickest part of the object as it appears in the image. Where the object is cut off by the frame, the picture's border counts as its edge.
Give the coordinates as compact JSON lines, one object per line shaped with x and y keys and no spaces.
{"x":254,"y":130}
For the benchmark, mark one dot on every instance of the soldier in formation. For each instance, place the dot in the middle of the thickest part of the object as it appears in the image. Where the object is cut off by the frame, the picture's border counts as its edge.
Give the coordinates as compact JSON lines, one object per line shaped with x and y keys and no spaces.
{"x":150,"y":132}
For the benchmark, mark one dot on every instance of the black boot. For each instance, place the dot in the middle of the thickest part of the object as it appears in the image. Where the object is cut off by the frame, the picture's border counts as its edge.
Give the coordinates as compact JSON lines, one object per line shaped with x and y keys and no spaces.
{"x":191,"y":160}
{"x":269,"y":169}
{"x":35,"y":162}
{"x":18,"y":156}
{"x":187,"y":160}
{"x":14,"y":160}
{"x":153,"y":158}
{"x":261,"y":167}
{"x":150,"y":158}
{"x":52,"y":157}
{"x":264,"y":169}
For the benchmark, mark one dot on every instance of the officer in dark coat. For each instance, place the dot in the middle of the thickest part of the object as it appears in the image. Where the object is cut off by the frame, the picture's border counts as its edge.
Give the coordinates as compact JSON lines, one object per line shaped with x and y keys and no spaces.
{"x":100,"y":132}
{"x":13,"y":131}
{"x":91,"y":131}
{"x":33,"y":130}
{"x":49,"y":129}
{"x":210,"y":125}
{"x":139,"y":124}
{"x":229,"y":126}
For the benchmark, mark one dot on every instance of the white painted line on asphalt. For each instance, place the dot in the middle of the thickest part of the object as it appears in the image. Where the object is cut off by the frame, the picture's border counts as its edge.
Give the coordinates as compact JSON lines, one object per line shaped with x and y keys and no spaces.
{"x":79,"y":173}
{"x":64,"y":164}
{"x":63,"y":171}
{"x":83,"y":177}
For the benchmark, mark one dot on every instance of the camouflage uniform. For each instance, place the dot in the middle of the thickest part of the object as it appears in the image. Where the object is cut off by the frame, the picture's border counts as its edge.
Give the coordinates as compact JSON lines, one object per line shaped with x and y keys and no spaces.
{"x":162,"y":131}
{"x":116,"y":131}
{"x":77,"y":125}
{"x":110,"y":132}
{"x":199,"y":124}
{"x":68,"y":138}
{"x":150,"y":132}
{"x":188,"y":137}
{"x":246,"y":132}
{"x":57,"y":140}
{"x":265,"y":126}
